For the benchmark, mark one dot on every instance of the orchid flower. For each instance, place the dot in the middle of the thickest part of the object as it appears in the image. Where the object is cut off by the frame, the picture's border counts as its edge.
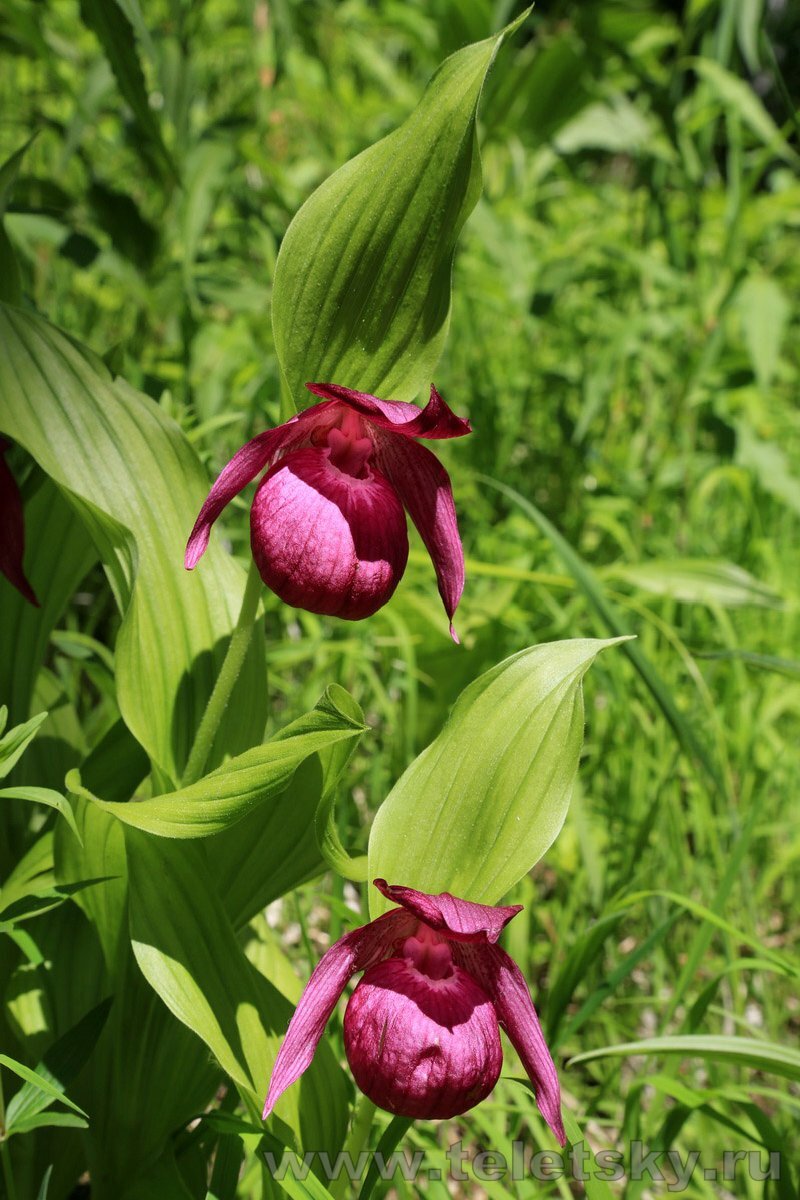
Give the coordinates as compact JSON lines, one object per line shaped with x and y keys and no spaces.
{"x":422,"y":1027}
{"x":328,"y":530}
{"x":12,"y":530}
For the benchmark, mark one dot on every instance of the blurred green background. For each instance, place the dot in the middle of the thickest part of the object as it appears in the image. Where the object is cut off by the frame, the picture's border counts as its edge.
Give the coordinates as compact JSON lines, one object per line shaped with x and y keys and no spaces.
{"x":624,"y":339}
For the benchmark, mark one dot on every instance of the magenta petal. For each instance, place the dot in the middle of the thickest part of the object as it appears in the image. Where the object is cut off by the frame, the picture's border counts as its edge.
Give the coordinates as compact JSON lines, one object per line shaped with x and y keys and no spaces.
{"x":242,"y":469}
{"x":327,"y":541}
{"x":12,"y":530}
{"x":502,"y":980}
{"x":435,"y":420}
{"x":424,"y":487}
{"x":422,"y":1047}
{"x":459,"y":920}
{"x":355,"y":952}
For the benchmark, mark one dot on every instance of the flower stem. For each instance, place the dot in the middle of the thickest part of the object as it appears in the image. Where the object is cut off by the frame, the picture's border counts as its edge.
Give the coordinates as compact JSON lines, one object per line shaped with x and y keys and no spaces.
{"x":359,"y":1132}
{"x":229,"y":673}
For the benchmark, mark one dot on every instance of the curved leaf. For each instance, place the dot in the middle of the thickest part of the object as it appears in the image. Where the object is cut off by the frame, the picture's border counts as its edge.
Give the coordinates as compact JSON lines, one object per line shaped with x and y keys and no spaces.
{"x":476,"y":810}
{"x":362,"y":282}
{"x":748,"y":1052}
{"x":241,"y":786}
{"x":136,"y":483}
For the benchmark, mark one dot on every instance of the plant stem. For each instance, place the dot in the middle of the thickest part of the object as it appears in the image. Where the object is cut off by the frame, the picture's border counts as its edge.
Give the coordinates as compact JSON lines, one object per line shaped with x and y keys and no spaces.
{"x":359,"y":1132}
{"x":229,"y":673}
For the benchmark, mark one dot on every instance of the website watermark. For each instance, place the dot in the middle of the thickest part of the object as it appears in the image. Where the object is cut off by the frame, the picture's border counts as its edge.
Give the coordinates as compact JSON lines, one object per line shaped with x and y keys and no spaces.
{"x":673,"y":1169}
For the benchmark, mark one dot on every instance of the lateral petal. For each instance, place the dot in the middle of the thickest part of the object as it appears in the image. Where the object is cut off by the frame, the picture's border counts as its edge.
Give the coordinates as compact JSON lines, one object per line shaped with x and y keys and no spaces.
{"x":242,"y":469}
{"x":354,"y":952}
{"x":500,"y":977}
{"x":424,"y":486}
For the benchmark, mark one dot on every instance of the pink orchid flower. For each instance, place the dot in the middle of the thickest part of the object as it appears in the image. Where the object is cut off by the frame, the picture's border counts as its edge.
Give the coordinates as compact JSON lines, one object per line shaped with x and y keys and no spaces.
{"x":328,"y":530}
{"x":12,"y":529}
{"x":421,"y":1029}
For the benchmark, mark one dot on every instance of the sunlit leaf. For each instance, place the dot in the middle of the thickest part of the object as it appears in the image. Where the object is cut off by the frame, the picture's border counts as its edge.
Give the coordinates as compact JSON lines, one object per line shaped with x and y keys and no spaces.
{"x":362,"y":283}
{"x":475,"y":811}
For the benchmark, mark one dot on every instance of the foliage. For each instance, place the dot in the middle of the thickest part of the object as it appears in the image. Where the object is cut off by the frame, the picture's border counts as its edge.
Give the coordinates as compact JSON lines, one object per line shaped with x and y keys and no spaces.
{"x":623,"y":337}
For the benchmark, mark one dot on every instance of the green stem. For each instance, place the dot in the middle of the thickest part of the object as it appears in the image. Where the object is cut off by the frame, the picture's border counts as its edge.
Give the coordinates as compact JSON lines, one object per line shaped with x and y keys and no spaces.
{"x":231,"y":667}
{"x":359,"y":1132}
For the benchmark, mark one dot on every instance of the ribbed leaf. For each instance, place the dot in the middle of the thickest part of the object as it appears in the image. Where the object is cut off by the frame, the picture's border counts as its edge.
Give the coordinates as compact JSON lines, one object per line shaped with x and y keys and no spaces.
{"x":187,"y":949}
{"x":362,"y":283}
{"x":476,"y":810}
{"x":243,"y":784}
{"x":137,"y":485}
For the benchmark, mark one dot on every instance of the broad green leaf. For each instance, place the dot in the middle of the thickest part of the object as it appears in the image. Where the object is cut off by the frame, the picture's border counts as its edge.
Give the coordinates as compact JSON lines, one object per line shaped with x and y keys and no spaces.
{"x":761,"y":1056}
{"x":700,"y":581}
{"x":475,"y":811}
{"x":362,"y":282}
{"x":46,"y":796}
{"x":186,"y":948}
{"x":39,"y":897}
{"x":16,"y":741}
{"x":242,"y":785}
{"x":38,"y":1081}
{"x":137,"y":485}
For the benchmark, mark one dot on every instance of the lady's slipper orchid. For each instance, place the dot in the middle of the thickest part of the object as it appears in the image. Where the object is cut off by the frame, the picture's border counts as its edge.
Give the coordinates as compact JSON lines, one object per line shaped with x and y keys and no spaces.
{"x":12,"y":530}
{"x":328,"y":530}
{"x":421,"y":1029}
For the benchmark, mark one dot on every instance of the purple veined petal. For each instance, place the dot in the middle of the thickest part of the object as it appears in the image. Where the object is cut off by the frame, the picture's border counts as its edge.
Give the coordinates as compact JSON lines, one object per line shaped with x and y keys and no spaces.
{"x":424,"y":487}
{"x":500,"y":977}
{"x":326,"y":541}
{"x":12,"y":530}
{"x":459,"y":920}
{"x":243,"y":468}
{"x":420,"y":1047}
{"x":356,"y":951}
{"x":435,"y":420}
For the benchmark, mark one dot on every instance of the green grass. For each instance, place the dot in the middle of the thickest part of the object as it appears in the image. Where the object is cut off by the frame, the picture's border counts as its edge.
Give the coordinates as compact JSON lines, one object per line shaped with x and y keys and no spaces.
{"x":625,"y":341}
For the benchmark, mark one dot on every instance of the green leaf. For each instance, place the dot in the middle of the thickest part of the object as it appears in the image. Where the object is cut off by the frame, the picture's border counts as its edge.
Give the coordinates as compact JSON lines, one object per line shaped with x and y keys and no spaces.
{"x":481,"y":805}
{"x":39,"y":795}
{"x":137,"y":485}
{"x":239,"y":788}
{"x":738,"y":96}
{"x":115,"y":34}
{"x":761,"y":1056}
{"x":699,"y":581}
{"x":594,"y":1186}
{"x":186,"y":948}
{"x":765,"y":312}
{"x":14,"y":744}
{"x":612,"y":621}
{"x":362,"y":283}
{"x":45,"y":1188}
{"x":38,"y":1081}
{"x":60,"y":1064}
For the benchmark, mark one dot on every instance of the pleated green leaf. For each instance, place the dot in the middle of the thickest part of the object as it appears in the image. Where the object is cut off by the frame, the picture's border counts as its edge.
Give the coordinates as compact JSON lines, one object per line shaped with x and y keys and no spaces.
{"x":137,"y":485}
{"x":362,"y":283}
{"x":475,"y":811}
{"x":243,"y":784}
{"x":188,"y":951}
